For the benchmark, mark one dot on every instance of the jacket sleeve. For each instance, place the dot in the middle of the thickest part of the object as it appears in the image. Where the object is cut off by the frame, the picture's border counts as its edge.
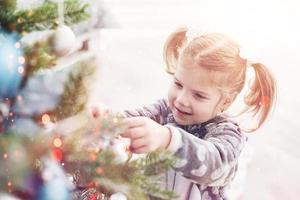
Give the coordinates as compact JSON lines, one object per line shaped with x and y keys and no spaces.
{"x":157,"y":111}
{"x":211,"y":161}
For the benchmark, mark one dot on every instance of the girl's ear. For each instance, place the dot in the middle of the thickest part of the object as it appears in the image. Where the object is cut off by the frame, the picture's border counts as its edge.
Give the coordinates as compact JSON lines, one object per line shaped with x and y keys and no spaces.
{"x":227,"y":101}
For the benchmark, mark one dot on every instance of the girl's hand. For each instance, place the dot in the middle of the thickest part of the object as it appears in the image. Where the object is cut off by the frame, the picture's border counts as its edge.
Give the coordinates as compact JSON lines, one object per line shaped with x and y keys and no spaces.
{"x":146,"y":135}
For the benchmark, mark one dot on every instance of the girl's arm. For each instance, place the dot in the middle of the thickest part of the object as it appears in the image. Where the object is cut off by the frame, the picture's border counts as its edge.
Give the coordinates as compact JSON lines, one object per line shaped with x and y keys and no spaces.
{"x":211,"y":161}
{"x":157,"y":111}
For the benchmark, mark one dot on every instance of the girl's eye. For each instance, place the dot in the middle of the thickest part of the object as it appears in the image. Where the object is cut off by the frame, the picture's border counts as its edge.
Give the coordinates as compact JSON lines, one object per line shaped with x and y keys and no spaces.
{"x":199,"y":96}
{"x":178,"y":84}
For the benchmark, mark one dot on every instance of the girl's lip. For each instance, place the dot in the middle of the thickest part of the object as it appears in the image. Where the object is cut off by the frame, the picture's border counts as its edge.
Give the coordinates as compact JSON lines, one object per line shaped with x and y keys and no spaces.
{"x":181,"y":112}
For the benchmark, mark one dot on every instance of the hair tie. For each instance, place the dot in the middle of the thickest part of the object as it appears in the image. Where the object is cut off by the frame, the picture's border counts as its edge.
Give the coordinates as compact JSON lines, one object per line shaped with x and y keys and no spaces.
{"x":250,"y":57}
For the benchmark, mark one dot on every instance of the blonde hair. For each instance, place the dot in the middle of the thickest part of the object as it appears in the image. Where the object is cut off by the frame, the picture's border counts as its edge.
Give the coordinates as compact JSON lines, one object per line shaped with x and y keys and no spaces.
{"x":220,"y":55}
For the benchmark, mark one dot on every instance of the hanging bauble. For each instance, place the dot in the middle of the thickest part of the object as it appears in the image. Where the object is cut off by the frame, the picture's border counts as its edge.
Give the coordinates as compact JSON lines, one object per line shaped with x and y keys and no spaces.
{"x":55,"y":183}
{"x":4,"y":196}
{"x":118,"y":196}
{"x":11,"y":64}
{"x":63,"y":40}
{"x":120,"y":148}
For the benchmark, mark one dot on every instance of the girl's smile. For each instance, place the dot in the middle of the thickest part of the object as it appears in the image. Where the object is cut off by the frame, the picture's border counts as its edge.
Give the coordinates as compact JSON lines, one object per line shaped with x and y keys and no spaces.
{"x":181,"y":112}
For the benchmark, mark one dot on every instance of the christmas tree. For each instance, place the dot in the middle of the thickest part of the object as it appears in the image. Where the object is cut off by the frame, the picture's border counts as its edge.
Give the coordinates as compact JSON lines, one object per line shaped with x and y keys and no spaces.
{"x":51,"y":147}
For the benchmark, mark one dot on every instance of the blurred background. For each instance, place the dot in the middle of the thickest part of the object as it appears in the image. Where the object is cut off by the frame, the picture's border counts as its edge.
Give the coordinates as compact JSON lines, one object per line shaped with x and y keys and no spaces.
{"x":131,"y":73}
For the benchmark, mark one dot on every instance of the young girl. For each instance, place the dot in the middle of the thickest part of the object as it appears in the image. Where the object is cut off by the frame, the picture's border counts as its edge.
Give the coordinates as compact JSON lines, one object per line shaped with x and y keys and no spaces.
{"x":208,"y":74}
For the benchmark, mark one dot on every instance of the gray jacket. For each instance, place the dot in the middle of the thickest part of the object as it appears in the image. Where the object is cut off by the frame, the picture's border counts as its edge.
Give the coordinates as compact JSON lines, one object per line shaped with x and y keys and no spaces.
{"x":208,"y":152}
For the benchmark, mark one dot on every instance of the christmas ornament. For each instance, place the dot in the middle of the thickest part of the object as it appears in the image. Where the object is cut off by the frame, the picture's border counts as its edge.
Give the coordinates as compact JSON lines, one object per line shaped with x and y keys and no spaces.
{"x":118,"y":196}
{"x":120,"y":148}
{"x":11,"y":64}
{"x":7,"y":197}
{"x":63,"y":40}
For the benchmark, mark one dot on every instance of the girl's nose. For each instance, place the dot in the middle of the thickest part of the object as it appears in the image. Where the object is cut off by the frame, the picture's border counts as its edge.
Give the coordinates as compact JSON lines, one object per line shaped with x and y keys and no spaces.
{"x":183,"y":99}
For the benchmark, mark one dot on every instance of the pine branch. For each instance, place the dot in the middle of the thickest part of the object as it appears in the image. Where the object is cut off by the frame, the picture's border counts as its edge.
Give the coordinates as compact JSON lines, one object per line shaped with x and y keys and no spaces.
{"x":21,"y":155}
{"x":75,"y":95}
{"x":95,"y":171}
{"x":39,"y":56}
{"x":8,"y":4}
{"x":129,"y":178}
{"x":159,"y":161}
{"x":43,"y":17}
{"x":99,"y":168}
{"x":155,"y":165}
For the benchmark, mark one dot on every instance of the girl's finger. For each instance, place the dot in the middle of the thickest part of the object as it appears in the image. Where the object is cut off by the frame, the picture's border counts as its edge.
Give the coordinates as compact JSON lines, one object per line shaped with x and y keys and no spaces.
{"x":138,"y":143}
{"x":137,"y":132}
{"x":141,"y":150}
{"x":134,"y":133}
{"x":126,"y":133}
{"x":134,"y":121}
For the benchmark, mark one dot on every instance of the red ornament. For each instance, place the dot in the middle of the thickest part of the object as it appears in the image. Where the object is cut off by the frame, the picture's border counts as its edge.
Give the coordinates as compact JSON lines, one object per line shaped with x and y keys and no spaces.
{"x":93,"y":156}
{"x":9,"y":187}
{"x":57,"y":154}
{"x":93,"y":197}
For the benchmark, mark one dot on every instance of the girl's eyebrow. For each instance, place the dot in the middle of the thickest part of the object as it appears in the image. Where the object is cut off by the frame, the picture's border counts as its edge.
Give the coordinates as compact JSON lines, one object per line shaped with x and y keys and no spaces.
{"x":196,"y":91}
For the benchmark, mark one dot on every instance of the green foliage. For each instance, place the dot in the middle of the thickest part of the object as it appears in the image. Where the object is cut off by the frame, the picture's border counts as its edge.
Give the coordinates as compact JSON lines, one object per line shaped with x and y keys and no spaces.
{"x":8,"y":4}
{"x":42,"y":17}
{"x":39,"y":56}
{"x":153,"y":168}
{"x":75,"y":95}
{"x":130,"y":177}
{"x":95,"y":170}
{"x":20,"y":157}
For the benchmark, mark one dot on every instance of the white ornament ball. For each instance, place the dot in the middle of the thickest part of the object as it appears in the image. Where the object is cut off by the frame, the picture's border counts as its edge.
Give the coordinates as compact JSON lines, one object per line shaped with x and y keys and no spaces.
{"x":63,"y":40}
{"x":119,"y":148}
{"x":4,"y":196}
{"x":118,"y":196}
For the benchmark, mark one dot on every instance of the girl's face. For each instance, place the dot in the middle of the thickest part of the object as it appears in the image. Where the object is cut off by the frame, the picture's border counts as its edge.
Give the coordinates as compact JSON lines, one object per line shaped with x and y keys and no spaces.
{"x":191,"y":97}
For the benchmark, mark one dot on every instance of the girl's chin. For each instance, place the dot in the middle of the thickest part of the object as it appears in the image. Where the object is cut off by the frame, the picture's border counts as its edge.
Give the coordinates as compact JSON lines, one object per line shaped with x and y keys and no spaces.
{"x":181,"y":121}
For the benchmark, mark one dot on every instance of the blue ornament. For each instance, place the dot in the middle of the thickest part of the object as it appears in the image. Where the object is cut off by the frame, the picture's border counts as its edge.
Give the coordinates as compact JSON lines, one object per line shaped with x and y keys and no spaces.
{"x":11,"y":64}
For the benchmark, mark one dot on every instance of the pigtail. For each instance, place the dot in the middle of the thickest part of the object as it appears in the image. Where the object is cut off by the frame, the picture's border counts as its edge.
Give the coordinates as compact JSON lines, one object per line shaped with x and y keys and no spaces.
{"x":171,"y":49}
{"x":262,"y":96}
